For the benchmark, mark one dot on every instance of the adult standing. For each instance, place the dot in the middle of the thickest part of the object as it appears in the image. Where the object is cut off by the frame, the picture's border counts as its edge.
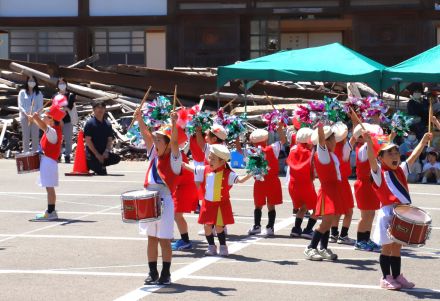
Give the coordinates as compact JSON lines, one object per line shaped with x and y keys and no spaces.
{"x":30,"y":100}
{"x":99,"y":140}
{"x":71,"y":118}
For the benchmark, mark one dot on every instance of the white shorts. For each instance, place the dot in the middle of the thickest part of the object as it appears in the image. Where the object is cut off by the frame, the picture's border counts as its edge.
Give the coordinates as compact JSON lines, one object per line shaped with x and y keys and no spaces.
{"x":48,"y":172}
{"x":164,"y":227}
{"x":384,"y":218}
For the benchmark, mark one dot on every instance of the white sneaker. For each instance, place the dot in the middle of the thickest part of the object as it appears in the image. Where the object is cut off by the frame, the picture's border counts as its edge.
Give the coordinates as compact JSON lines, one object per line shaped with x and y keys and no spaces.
{"x":212,"y":250}
{"x":424,"y":180}
{"x":254,"y":230}
{"x":269,"y":232}
{"x":312,"y":254}
{"x":327,"y":254}
{"x":223,"y":251}
{"x":345,"y":240}
{"x":46,"y":216}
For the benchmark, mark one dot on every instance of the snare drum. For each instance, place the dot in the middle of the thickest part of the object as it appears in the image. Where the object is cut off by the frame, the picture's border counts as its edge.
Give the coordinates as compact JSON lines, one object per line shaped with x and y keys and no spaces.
{"x":141,"y":205}
{"x":27,"y":162}
{"x":410,"y":226}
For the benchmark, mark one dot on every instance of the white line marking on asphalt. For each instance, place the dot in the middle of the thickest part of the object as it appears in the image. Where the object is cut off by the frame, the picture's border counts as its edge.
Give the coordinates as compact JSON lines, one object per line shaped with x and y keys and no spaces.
{"x":140,"y":182}
{"x":54,"y":225}
{"x":75,"y":237}
{"x":57,"y":272}
{"x":58,"y":194}
{"x":305,"y":283}
{"x":144,"y":291}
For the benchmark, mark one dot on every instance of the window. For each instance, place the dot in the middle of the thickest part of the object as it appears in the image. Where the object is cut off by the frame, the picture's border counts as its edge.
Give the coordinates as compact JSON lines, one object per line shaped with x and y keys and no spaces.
{"x":43,"y":46}
{"x":383,"y":2}
{"x":264,"y":37}
{"x":120,"y":46}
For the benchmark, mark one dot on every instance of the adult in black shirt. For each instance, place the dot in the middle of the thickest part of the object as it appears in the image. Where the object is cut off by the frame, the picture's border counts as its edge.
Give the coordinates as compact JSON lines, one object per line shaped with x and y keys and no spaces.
{"x":99,"y":139}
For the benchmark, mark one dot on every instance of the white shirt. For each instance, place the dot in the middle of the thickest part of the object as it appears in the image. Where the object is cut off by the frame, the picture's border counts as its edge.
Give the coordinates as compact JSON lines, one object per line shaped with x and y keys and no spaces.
{"x":51,"y":135}
{"x":428,"y":165}
{"x":199,"y":174}
{"x":25,"y":102}
{"x":324,"y":158}
{"x":363,"y":153}
{"x":377,"y":176}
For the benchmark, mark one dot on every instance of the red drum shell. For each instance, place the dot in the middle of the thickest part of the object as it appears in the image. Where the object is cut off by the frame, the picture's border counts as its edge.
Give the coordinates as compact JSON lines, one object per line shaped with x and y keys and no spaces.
{"x":27,"y":162}
{"x":410,"y":225}
{"x":140,"y":205}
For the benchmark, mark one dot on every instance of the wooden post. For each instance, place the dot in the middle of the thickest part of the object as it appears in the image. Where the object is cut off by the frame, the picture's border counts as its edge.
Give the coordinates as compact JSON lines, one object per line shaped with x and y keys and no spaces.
{"x":140,"y":106}
{"x":430,"y":119}
{"x":175,"y":97}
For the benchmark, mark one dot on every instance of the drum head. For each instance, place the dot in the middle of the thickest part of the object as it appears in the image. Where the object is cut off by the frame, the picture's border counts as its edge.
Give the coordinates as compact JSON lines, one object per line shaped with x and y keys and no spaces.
{"x":138,"y":194}
{"x":412,"y":214}
{"x":24,"y":155}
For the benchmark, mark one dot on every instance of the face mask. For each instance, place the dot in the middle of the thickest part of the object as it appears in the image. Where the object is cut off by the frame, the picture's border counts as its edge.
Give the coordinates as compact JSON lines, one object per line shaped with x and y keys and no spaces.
{"x":417,"y":95}
{"x":412,"y":138}
{"x":62,"y":87}
{"x":31,"y":84}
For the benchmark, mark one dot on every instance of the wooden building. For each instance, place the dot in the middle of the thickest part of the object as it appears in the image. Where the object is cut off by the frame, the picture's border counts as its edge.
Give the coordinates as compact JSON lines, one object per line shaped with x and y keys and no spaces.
{"x":167,"y":33}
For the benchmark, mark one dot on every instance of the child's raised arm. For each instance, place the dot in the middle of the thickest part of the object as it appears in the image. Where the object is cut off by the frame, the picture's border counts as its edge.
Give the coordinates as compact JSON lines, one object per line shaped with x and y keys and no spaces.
{"x":243,"y":179}
{"x":370,"y":151}
{"x":419,"y":148}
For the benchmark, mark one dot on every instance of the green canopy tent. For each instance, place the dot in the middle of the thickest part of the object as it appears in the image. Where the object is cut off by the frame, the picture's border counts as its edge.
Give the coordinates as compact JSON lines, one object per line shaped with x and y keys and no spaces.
{"x":422,"y":68}
{"x":333,"y":62}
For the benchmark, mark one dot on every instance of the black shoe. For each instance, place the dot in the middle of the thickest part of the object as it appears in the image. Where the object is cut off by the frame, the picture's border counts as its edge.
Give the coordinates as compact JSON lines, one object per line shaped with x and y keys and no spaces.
{"x":67,"y":159}
{"x":296,"y":232}
{"x":102,"y":172}
{"x":295,"y":211}
{"x":151,"y":279}
{"x":164,"y":280}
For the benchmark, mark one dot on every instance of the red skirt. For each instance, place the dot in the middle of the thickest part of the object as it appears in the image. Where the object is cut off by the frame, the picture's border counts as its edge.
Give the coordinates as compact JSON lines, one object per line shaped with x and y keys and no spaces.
{"x":330,"y":201}
{"x":347,"y":196}
{"x":268,"y":192}
{"x":216,"y":213}
{"x":302,"y":194}
{"x":366,"y":198}
{"x":185,"y":198}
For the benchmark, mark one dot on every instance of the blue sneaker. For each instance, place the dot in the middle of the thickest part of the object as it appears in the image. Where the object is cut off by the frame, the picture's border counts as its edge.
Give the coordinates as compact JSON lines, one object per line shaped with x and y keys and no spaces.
{"x":374,"y":247}
{"x":362,"y":246}
{"x":180,"y":245}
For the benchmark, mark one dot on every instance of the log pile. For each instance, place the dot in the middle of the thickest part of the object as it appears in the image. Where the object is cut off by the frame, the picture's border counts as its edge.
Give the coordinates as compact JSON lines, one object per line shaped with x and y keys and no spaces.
{"x":123,"y":86}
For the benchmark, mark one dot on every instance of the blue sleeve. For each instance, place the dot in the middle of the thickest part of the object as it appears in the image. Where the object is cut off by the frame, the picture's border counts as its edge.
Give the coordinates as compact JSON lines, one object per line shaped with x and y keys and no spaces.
{"x":88,"y":128}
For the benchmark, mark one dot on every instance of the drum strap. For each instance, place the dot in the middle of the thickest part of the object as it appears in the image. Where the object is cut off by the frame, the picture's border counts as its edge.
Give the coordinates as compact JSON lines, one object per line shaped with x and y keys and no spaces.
{"x":397,"y":188}
{"x":155,"y":173}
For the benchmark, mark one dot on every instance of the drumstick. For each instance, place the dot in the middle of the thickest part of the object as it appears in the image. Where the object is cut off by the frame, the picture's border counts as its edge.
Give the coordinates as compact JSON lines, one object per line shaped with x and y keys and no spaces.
{"x":175,"y":97}
{"x":429,"y":120}
{"x":178,"y":100}
{"x":140,"y":106}
{"x":357,"y":118}
{"x":224,"y":107}
{"x":267,"y":98}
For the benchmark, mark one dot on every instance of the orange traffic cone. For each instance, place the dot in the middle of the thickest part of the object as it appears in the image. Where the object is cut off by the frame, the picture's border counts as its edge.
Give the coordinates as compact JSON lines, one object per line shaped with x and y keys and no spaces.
{"x":80,"y":163}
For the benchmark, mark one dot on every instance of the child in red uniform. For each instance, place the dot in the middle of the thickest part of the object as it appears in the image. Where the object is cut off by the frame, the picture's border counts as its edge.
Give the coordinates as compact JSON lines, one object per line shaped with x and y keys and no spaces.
{"x":267,"y":191}
{"x":342,"y":151}
{"x":165,"y":162}
{"x":391,"y":187}
{"x":51,"y":146}
{"x":301,"y":188}
{"x":330,"y":202}
{"x":216,"y":180}
{"x":366,"y":198}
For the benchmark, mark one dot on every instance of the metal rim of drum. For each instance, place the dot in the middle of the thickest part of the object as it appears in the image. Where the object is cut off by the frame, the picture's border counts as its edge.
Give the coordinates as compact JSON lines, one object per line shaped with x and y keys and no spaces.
{"x":28,"y":171}
{"x":412,"y":221}
{"x":155,"y":193}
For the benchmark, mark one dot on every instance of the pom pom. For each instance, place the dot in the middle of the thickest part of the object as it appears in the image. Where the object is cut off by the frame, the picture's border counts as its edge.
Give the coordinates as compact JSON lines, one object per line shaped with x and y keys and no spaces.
{"x":400,"y":123}
{"x":273,"y":118}
{"x":334,"y":110}
{"x":256,"y":163}
{"x":157,"y":112}
{"x":311,"y":114}
{"x":199,"y":119}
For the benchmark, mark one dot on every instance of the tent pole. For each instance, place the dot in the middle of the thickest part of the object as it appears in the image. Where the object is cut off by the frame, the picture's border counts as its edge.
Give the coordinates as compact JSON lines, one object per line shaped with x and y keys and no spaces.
{"x":218,"y":99}
{"x":397,"y":95}
{"x":245,"y":96}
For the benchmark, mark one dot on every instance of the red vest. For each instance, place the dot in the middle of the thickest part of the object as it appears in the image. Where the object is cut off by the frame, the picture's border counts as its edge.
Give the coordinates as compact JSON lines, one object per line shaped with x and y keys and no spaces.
{"x":224,"y":194}
{"x":197,"y":153}
{"x":272,"y":161}
{"x":344,"y":165}
{"x":163,"y":165}
{"x":300,"y":163}
{"x":327,"y":172}
{"x":383,"y":192}
{"x":363,"y":170}
{"x":52,"y":150}
{"x":186,"y":177}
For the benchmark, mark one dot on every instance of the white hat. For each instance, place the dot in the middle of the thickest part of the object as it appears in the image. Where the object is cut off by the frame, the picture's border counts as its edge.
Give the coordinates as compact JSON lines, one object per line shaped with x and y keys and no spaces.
{"x":388,"y":146}
{"x":340,"y":130}
{"x":219,"y":131}
{"x":327,"y":133}
{"x":259,"y":135}
{"x":371,"y":128}
{"x":221,"y":151}
{"x":304,"y":135}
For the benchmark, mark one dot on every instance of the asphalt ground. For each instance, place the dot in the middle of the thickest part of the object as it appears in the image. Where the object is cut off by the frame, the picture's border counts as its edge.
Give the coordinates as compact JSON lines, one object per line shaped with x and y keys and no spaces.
{"x":90,"y":254}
